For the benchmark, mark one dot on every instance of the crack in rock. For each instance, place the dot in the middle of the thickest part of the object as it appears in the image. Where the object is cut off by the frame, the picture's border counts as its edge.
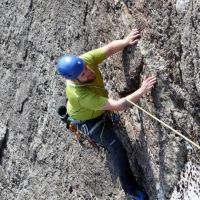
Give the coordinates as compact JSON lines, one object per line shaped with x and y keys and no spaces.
{"x":4,"y":133}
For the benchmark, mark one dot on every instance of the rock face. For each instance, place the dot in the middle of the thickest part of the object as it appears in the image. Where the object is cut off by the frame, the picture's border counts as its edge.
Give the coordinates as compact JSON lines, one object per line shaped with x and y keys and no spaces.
{"x":39,"y":159}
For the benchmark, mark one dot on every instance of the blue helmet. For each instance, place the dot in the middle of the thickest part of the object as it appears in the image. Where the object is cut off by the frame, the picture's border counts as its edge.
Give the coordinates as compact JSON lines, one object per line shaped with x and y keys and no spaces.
{"x":70,"y":67}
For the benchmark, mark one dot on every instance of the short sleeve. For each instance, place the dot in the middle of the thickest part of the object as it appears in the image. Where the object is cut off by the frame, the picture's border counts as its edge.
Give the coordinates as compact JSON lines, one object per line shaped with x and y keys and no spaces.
{"x":94,"y":57}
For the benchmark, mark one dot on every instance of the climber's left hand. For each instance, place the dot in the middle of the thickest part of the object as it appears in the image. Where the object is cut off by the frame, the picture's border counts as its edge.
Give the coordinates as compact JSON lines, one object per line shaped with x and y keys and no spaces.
{"x":133,"y":37}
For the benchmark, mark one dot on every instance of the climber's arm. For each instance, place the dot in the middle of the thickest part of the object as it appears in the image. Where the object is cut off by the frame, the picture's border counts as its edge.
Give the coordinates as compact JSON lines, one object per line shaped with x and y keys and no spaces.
{"x":118,"y":45}
{"x":122,"y":104}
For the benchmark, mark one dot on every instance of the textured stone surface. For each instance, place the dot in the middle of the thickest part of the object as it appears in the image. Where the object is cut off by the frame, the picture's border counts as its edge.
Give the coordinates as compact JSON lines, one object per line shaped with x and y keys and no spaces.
{"x":38,"y":158}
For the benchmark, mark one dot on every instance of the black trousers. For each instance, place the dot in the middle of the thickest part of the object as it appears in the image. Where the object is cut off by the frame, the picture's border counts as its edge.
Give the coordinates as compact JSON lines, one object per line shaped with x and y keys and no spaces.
{"x":105,"y":137}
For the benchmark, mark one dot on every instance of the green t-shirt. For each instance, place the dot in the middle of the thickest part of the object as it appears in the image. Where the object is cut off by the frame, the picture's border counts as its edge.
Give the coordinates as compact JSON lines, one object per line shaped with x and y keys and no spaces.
{"x":86,"y":100}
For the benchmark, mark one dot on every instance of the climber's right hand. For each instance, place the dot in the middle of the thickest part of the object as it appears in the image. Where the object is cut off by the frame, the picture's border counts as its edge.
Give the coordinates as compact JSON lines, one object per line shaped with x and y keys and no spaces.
{"x":147,"y":84}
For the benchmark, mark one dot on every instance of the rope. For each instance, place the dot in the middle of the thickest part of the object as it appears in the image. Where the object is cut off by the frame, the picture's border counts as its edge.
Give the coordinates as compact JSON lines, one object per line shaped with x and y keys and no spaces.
{"x":101,"y":135}
{"x":164,"y":124}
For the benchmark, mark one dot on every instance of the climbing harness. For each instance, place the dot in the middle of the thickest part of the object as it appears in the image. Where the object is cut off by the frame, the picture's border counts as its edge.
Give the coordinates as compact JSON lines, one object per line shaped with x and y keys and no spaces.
{"x":71,"y":124}
{"x":82,"y":134}
{"x":164,"y":124}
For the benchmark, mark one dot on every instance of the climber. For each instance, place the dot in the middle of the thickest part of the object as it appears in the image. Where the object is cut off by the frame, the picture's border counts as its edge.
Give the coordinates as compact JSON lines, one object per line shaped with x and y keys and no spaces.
{"x":88,"y":102}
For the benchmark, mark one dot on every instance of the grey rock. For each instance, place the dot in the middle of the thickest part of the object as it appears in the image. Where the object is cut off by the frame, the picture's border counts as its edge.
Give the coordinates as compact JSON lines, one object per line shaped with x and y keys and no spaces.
{"x":39,"y":158}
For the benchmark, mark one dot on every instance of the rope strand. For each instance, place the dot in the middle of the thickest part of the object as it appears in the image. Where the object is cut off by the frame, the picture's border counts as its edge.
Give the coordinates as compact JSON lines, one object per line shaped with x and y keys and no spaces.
{"x":164,"y":124}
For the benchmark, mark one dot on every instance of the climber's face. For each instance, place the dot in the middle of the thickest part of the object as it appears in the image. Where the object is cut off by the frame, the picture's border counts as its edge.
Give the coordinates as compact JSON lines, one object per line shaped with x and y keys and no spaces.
{"x":86,"y":76}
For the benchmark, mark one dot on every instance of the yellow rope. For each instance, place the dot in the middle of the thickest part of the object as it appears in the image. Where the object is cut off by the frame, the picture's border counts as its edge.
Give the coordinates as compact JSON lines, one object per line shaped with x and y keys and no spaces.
{"x":181,"y":135}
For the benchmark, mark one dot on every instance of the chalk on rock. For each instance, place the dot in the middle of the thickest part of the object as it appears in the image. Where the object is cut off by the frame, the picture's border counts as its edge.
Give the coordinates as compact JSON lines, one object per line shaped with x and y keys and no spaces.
{"x":182,"y":5}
